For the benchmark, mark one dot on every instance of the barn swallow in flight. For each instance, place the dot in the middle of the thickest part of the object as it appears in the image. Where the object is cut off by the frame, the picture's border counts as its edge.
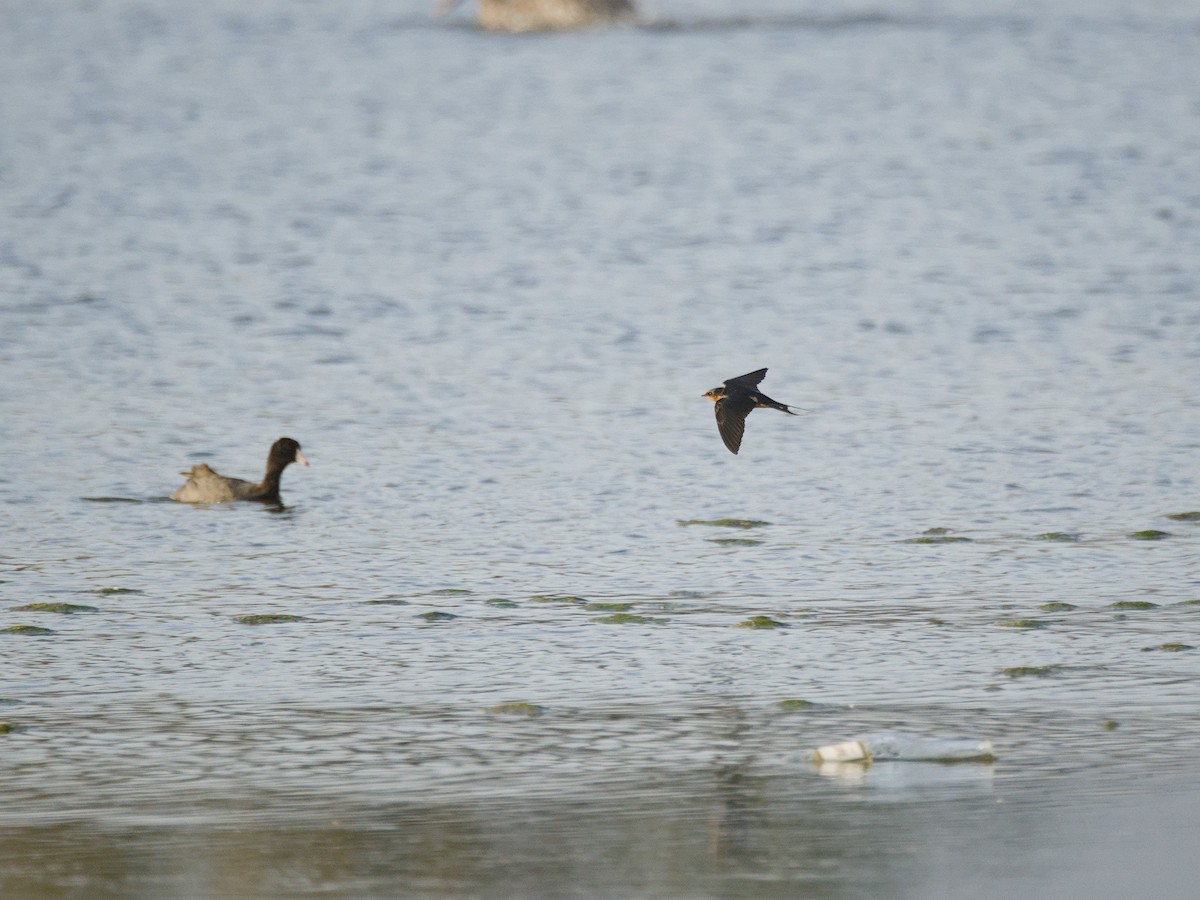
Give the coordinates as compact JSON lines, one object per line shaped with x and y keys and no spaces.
{"x":734,"y":402}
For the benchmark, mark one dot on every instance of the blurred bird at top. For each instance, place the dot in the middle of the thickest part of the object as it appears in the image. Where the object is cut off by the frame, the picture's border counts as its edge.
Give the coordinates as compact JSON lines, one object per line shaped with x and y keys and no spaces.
{"x":544,"y":15}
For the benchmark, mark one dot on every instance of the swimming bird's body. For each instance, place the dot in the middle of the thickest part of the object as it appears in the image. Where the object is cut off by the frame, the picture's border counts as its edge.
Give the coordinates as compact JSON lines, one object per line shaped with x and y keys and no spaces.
{"x":735,"y":400}
{"x":206,"y":486}
{"x":545,"y":15}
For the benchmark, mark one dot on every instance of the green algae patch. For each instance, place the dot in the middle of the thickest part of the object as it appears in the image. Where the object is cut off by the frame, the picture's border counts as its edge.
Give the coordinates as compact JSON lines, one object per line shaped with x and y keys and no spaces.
{"x":517,"y":708}
{"x":609,"y":607}
{"x":1150,"y":534}
{"x":937,"y":536}
{"x":436,"y":616}
{"x":761,"y":622}
{"x":725,"y":523}
{"x":500,"y":603}
{"x":1057,"y":606}
{"x":734,"y":542}
{"x":1169,"y":648}
{"x":116,"y":590}
{"x":1110,"y":724}
{"x":1188,"y":603}
{"x":451,"y":592}
{"x":388,"y":601}
{"x":7,"y":728}
{"x":268,"y":619}
{"x":1185,"y":517}
{"x":1133,"y":604}
{"x":556,"y":598}
{"x":935,"y":621}
{"x":1022,"y":623}
{"x":624,"y":618}
{"x":1030,"y":671}
{"x":33,"y":630}
{"x":64,"y":608}
{"x":1060,"y":537}
{"x":793,"y":704}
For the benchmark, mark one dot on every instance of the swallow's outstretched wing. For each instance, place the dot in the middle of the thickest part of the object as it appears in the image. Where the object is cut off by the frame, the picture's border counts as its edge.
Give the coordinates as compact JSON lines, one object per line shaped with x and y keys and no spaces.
{"x":749,"y":380}
{"x":731,"y":417}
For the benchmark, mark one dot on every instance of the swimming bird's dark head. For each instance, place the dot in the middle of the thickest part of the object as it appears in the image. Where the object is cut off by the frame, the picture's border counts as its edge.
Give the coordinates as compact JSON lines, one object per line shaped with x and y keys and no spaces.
{"x":286,"y":451}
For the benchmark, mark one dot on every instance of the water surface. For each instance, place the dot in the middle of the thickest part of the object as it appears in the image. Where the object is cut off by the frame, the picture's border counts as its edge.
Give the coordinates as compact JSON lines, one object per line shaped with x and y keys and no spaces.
{"x":484,"y":281}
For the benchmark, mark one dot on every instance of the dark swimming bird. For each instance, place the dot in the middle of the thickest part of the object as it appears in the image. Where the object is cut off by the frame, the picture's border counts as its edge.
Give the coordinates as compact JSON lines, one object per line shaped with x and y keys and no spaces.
{"x":206,"y":486}
{"x":734,"y":402}
{"x":544,"y":15}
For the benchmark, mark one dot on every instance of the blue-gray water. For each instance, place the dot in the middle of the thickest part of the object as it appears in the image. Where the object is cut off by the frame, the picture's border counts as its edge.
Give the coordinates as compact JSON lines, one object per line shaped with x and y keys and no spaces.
{"x":484,"y":281}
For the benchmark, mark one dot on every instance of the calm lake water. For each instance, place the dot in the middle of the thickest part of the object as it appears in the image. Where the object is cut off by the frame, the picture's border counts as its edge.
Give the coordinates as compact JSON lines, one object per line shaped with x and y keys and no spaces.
{"x":485,"y":281}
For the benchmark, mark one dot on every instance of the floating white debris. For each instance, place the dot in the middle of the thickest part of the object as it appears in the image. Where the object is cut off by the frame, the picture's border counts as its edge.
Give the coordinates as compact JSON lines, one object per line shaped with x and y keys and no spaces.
{"x":895,"y":745}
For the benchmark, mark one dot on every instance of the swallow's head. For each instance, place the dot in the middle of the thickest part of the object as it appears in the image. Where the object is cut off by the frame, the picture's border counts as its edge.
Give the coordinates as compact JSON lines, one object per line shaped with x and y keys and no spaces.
{"x":715,"y":394}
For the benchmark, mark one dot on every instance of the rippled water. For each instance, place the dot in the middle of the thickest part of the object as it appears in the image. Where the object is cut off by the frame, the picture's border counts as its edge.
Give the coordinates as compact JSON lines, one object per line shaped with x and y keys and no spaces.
{"x":484,"y":281}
